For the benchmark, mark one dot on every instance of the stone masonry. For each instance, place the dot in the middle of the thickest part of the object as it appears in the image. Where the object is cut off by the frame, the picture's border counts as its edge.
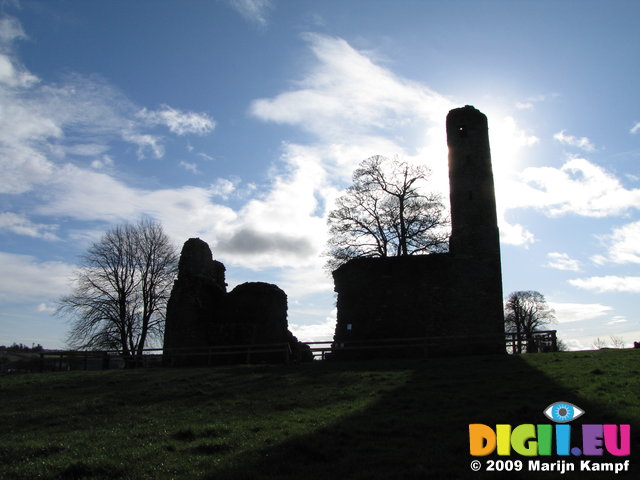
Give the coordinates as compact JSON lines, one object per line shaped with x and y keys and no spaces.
{"x":456,"y":296}
{"x":202,"y":314}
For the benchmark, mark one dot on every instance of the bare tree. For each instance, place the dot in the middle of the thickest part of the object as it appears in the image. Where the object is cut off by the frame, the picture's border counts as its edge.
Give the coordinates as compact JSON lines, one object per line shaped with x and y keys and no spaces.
{"x":561,"y":345}
{"x":616,"y":341}
{"x":121,"y":289}
{"x":598,"y":343}
{"x":385,"y":213}
{"x":525,"y":313}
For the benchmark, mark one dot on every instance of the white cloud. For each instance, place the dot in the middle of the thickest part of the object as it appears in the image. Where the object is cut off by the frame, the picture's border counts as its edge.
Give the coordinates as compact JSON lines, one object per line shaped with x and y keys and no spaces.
{"x":346,"y":94}
{"x":623,"y":245}
{"x":530,"y":102}
{"x":22,"y":167}
{"x":190,"y":167}
{"x":274,"y":231}
{"x":582,"y":143}
{"x":302,"y":281}
{"x":608,"y":283}
{"x":252,"y":10}
{"x":579,"y":187}
{"x":223,"y":187}
{"x":89,"y":195}
{"x":13,"y":74}
{"x":574,"y":344}
{"x":562,"y":261}
{"x":577,"y":312}
{"x":515,"y":234}
{"x":178,"y":122}
{"x":102,"y":162}
{"x":617,"y":320}
{"x":507,"y":140}
{"x":21,"y":225}
{"x":45,"y":308}
{"x":598,"y":259}
{"x":10,"y":30}
{"x":635,"y":129}
{"x":511,"y":139}
{"x":316,"y":332}
{"x":24,"y":278}
{"x":145,"y":142}
{"x":43,"y":123}
{"x":524,"y":105}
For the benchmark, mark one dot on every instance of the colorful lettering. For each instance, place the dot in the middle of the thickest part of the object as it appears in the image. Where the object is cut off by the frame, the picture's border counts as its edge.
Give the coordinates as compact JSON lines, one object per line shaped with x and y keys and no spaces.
{"x":531,"y":440}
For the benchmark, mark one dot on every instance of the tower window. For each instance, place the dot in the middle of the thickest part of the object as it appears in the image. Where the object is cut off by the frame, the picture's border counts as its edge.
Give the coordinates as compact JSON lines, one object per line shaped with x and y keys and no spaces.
{"x":462,"y":131}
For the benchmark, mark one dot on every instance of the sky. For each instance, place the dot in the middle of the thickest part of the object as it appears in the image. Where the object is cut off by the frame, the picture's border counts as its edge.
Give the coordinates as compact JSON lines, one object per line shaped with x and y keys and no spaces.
{"x":241,"y":121}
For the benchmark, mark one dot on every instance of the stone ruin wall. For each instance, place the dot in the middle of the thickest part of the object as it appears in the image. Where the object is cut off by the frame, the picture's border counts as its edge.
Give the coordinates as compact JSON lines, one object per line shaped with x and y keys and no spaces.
{"x":385,"y":298}
{"x":202,"y":314}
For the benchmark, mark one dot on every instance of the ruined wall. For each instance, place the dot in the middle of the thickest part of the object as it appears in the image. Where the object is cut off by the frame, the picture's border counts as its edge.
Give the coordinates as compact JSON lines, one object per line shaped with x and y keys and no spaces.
{"x":197,"y":296}
{"x":448,"y":295}
{"x":393,"y":297}
{"x":257,"y":313}
{"x":201,"y":314}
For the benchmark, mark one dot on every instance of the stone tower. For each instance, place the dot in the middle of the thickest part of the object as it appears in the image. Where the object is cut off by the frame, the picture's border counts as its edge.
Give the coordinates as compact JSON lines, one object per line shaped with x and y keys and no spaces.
{"x":475,"y":239}
{"x":474,"y":225}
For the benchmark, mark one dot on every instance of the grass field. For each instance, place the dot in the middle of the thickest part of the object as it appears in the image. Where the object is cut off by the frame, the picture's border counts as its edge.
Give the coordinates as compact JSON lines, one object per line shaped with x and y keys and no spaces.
{"x":402,"y":419}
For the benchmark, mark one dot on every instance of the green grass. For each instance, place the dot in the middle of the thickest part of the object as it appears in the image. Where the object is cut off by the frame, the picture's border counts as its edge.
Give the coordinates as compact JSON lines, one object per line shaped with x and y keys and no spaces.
{"x":403,"y":419}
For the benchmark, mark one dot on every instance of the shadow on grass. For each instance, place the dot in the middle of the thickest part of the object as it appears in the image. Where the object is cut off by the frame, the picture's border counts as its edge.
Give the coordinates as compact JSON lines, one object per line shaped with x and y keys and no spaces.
{"x":420,"y":431}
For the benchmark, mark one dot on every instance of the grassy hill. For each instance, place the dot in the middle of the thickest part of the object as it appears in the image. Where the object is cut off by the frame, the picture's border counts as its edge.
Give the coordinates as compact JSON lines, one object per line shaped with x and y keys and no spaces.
{"x":355,"y":420}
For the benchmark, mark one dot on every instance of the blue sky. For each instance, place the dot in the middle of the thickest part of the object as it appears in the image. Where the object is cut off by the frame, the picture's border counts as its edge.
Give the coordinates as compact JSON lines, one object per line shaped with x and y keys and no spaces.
{"x":240,"y":121}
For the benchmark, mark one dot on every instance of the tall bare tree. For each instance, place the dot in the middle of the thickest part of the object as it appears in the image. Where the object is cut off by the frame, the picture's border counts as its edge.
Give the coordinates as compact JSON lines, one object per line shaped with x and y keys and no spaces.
{"x":525,"y":313}
{"x":386,"y":212}
{"x":121,"y":289}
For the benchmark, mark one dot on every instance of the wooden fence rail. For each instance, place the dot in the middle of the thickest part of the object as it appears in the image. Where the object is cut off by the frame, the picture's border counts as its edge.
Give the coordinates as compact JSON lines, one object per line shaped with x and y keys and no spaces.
{"x":57,"y":360}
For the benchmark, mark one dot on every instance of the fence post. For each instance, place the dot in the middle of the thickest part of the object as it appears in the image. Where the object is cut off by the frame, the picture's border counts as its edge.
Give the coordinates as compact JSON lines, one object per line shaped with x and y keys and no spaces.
{"x":105,"y":360}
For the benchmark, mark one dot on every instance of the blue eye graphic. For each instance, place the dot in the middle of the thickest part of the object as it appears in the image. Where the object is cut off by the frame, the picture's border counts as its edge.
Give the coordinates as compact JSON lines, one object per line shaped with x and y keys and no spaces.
{"x":562,"y":412}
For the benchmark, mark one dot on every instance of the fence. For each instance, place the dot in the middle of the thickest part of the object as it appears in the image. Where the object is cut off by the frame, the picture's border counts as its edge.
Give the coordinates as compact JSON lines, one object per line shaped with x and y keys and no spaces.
{"x":539,"y":341}
{"x":65,"y":360}
{"x":415,"y":347}
{"x":271,"y":353}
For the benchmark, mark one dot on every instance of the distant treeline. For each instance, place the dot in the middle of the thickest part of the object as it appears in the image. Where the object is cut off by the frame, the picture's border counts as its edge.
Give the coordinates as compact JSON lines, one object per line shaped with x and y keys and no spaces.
{"x":19,"y":347}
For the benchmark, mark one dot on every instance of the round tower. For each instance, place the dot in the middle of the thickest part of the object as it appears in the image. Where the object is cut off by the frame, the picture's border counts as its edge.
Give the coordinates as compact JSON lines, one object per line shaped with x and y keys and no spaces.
{"x":474,"y":225}
{"x":476,"y":302}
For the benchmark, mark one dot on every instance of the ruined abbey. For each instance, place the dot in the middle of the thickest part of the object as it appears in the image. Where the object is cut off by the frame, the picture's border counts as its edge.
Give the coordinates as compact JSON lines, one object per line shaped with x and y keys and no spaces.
{"x":454,"y":298}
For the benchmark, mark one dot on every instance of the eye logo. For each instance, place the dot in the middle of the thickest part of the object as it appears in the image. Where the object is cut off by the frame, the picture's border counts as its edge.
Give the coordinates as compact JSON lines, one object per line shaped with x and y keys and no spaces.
{"x":563,"y":412}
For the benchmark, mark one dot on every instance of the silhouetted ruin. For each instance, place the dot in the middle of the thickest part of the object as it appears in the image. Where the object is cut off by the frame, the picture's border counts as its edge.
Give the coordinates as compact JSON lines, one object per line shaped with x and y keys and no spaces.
{"x":207,"y":325}
{"x":453,"y":298}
